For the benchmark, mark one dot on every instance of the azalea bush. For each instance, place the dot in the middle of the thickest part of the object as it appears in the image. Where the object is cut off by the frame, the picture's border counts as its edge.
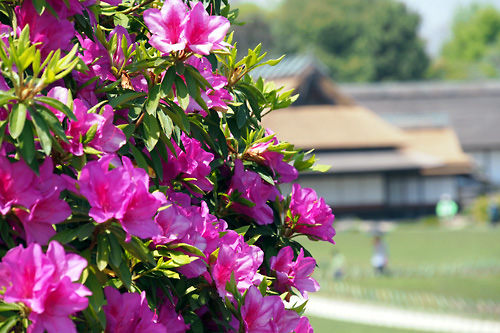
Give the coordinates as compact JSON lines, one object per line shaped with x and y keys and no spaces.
{"x":138,"y":190}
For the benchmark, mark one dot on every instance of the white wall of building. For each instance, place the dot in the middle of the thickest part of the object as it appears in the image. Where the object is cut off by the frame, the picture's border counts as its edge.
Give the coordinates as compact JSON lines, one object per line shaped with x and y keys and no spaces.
{"x":488,"y":162}
{"x":434,"y":187}
{"x":348,"y":190}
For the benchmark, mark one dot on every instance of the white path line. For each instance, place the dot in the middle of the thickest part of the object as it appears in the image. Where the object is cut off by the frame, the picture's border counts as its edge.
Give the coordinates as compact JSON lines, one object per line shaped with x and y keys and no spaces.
{"x":394,"y":317}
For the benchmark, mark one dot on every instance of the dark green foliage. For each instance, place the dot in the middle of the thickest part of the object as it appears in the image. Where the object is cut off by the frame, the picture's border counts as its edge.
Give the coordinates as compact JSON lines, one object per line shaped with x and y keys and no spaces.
{"x":474,"y":49}
{"x":359,"y":40}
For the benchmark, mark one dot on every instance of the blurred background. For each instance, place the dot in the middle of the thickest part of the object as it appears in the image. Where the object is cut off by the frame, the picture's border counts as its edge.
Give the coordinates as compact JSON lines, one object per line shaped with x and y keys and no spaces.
{"x":401,"y":100}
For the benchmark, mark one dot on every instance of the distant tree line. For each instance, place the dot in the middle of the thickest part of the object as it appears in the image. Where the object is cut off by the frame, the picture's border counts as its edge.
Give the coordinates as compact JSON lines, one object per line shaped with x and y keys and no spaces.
{"x":375,"y":40}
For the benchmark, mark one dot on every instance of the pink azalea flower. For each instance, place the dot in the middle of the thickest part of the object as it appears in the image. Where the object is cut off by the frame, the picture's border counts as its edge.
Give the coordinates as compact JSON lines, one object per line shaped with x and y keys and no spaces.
{"x":108,"y":138}
{"x":100,"y":61}
{"x":64,"y":10}
{"x":294,"y":273}
{"x":43,"y":214}
{"x":42,"y":29}
{"x":266,"y":314}
{"x":121,"y":193}
{"x":96,"y":57}
{"x":45,"y":283}
{"x":304,"y":326}
{"x":193,"y":162}
{"x":5,"y":32}
{"x":129,"y":312}
{"x":214,"y":97}
{"x":190,"y":225}
{"x":167,"y":26}
{"x":205,"y":33}
{"x":252,"y":188}
{"x":273,"y":160}
{"x":170,"y":318}
{"x":310,"y":215}
{"x":16,"y":188}
{"x":238,"y":258}
{"x":38,"y":195}
{"x":175,"y":28}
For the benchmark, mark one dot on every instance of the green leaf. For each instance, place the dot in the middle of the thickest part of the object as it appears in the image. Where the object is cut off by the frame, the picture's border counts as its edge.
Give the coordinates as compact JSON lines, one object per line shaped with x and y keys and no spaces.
{"x":5,"y":232}
{"x":90,"y":135}
{"x":198,"y":77}
{"x":17,"y":119}
{"x":166,"y":123}
{"x":193,"y":89}
{"x":123,"y":272}
{"x":27,"y":57}
{"x":190,"y":248}
{"x":57,"y":105}
{"x":103,"y":251}
{"x":43,"y":132}
{"x":179,"y":67}
{"x":96,"y":300}
{"x":180,"y":258}
{"x":139,"y":158}
{"x":153,"y":99}
{"x":168,"y":81}
{"x":124,"y":98}
{"x":121,"y":19}
{"x":241,"y":116}
{"x":5,"y":98}
{"x":157,"y":165}
{"x":181,"y":92}
{"x":243,"y":230}
{"x":127,"y":129}
{"x":252,"y":240}
{"x":151,"y":131}
{"x":39,"y":5}
{"x":91,"y":151}
{"x":193,"y":187}
{"x":300,"y":164}
{"x":68,"y":235}
{"x":26,"y":144}
{"x":135,"y":246}
{"x":115,"y":256}
{"x":179,"y":117}
{"x":273,"y":62}
{"x":320,"y":168}
{"x":243,"y":201}
{"x":9,"y":307}
{"x":8,"y":324}
{"x":85,"y":230}
{"x":52,"y":121}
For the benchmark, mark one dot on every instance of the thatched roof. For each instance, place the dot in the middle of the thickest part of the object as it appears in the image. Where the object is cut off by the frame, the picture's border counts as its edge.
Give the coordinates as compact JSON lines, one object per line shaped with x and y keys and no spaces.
{"x":353,"y":139}
{"x":471,"y":108}
{"x":443,"y":143}
{"x":333,"y":127}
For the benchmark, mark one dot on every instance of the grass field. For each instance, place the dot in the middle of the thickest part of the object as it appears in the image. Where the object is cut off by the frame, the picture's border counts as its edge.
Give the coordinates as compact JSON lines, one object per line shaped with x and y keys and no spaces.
{"x":462,"y":264}
{"x":321,"y":325}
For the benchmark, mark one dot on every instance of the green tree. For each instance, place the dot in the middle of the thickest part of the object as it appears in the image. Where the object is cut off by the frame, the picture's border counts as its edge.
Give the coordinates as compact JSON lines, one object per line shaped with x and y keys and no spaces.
{"x":359,"y":40}
{"x":473,"y":51}
{"x":255,"y":29}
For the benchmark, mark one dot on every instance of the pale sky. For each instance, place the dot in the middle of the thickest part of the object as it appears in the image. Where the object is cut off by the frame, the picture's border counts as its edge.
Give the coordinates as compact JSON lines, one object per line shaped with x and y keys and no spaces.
{"x":436,"y":16}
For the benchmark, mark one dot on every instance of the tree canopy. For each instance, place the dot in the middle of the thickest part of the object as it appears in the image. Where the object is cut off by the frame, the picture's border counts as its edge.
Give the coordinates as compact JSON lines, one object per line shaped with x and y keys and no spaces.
{"x":359,"y":40}
{"x":473,"y":50}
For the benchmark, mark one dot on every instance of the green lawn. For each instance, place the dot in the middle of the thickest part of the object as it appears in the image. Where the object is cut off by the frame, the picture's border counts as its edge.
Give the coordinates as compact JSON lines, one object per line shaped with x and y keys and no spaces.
{"x":411,"y":245}
{"x":321,"y":325}
{"x":414,"y":248}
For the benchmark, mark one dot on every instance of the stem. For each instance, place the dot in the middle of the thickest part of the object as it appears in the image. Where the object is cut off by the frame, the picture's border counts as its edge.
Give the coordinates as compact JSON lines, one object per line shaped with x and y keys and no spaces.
{"x":139,"y":121}
{"x":145,"y":3}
